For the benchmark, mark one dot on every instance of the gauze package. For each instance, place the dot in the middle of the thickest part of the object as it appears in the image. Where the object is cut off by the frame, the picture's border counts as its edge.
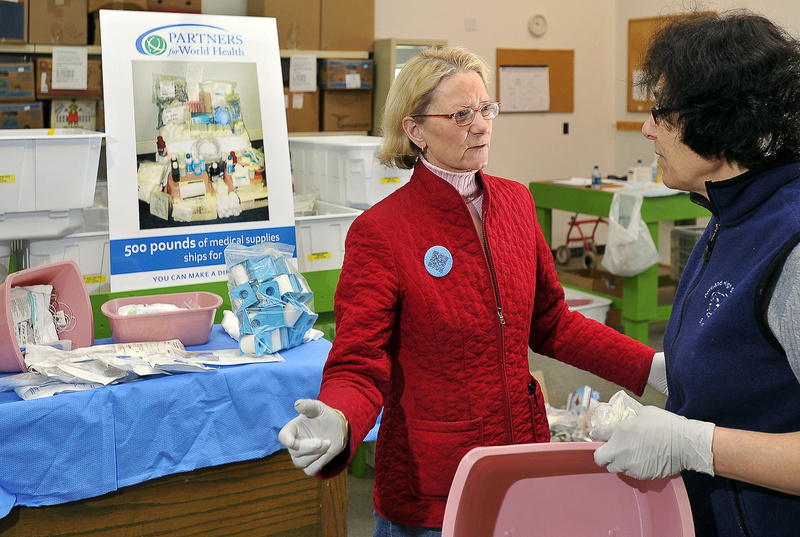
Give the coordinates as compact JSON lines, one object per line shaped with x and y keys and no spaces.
{"x":271,"y":299}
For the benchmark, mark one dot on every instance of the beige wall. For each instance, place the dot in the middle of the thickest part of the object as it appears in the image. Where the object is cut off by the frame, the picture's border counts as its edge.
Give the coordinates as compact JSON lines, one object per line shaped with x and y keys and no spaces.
{"x":531,"y":147}
{"x":630,"y":145}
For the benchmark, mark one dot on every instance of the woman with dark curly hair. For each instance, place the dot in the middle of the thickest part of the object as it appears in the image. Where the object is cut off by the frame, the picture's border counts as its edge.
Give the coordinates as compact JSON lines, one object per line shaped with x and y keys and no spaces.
{"x":727,"y":129}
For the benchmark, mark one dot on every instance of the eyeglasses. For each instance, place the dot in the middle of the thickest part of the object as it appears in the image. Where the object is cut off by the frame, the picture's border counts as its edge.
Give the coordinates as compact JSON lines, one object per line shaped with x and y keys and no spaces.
{"x":465,"y":116}
{"x":659,"y":113}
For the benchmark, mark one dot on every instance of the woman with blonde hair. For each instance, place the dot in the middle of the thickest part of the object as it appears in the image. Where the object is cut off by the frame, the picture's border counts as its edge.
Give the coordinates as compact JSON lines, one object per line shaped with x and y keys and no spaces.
{"x":445,"y":285}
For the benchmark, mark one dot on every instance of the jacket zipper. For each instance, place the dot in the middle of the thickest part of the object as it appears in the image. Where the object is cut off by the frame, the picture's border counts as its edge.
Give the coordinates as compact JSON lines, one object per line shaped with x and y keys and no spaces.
{"x":706,"y":256}
{"x":710,"y":243}
{"x":502,"y":321}
{"x":737,"y":503}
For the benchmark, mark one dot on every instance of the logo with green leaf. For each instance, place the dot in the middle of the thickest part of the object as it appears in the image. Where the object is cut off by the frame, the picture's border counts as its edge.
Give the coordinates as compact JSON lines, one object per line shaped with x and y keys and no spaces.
{"x":155,"y":45}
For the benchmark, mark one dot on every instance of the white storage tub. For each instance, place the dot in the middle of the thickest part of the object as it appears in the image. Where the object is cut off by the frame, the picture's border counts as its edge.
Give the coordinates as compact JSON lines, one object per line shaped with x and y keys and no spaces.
{"x":5,"y":259}
{"x":320,"y":237}
{"x":89,"y":247}
{"x":592,"y":306}
{"x":343,"y":169}
{"x":48,"y":169}
{"x":46,"y":177}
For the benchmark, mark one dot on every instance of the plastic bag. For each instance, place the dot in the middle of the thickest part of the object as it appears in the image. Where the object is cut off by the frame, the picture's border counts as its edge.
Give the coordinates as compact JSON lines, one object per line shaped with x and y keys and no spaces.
{"x":167,"y":88}
{"x":271,"y":299}
{"x":630,"y":249}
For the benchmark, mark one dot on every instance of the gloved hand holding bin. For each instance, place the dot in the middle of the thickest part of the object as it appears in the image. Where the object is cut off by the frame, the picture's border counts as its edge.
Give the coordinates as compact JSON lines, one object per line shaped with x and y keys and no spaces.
{"x":647,"y":442}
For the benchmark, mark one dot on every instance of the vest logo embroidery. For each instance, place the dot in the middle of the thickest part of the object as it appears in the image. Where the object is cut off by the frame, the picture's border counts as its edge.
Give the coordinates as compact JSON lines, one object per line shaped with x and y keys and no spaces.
{"x":715,"y":295}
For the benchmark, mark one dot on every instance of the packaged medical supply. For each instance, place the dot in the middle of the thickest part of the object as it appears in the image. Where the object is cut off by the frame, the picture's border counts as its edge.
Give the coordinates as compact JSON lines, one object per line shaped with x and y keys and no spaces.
{"x":584,"y":398}
{"x":30,"y":314}
{"x":271,"y":299}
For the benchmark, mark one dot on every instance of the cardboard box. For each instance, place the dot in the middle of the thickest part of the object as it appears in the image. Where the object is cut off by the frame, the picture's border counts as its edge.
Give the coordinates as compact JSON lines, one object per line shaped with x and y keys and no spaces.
{"x":13,"y":22}
{"x":134,"y":5}
{"x":44,"y":81}
{"x":302,"y":110}
{"x":17,"y":81}
{"x":345,"y":74}
{"x":94,"y":28}
{"x":597,"y":280}
{"x":101,"y":116}
{"x":94,"y":13}
{"x":177,"y":6}
{"x":73,"y":114}
{"x":320,"y":24}
{"x":347,"y":25}
{"x":21,"y":116}
{"x":298,"y":21}
{"x":58,"y":22}
{"x":346,"y":110}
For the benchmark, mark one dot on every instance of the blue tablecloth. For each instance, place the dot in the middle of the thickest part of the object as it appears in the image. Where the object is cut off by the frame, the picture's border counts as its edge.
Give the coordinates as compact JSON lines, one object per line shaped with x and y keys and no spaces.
{"x":78,"y":445}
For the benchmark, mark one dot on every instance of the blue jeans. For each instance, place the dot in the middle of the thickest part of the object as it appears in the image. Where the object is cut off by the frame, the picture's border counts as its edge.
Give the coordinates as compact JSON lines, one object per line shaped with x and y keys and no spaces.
{"x":384,"y":528}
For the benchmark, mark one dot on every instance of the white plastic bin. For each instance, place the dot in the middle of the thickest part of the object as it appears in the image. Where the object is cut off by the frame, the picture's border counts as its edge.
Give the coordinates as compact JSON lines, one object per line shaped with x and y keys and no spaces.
{"x":592,"y":306}
{"x":320,"y":237}
{"x":46,"y":177}
{"x":89,"y":248}
{"x":343,"y":169}
{"x":5,"y":259}
{"x":48,"y":169}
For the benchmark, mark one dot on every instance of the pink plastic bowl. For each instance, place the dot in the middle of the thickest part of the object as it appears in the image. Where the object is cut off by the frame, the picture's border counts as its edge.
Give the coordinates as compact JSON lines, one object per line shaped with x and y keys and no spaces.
{"x":192,"y":326}
{"x":557,"y":490}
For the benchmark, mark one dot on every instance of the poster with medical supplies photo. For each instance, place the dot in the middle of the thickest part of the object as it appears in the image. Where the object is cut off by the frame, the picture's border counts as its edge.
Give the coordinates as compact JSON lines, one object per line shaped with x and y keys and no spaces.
{"x":196,"y":143}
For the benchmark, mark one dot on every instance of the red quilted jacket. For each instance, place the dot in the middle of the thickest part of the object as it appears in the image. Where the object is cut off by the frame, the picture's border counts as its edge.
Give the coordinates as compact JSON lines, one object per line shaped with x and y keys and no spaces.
{"x":447,"y":357}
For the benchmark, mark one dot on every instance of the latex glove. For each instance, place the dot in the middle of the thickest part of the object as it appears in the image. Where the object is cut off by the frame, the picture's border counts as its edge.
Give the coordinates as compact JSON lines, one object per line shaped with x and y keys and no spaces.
{"x":658,"y":374}
{"x":314,"y":437}
{"x":655,"y":444}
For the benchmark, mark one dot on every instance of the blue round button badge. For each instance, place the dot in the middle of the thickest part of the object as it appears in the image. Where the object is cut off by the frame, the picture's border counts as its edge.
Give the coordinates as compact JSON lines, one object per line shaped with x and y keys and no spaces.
{"x":438,"y":261}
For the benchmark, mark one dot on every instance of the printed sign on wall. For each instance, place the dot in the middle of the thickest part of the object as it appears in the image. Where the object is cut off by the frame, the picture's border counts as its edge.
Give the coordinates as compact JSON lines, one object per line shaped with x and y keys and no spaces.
{"x":197,"y":146}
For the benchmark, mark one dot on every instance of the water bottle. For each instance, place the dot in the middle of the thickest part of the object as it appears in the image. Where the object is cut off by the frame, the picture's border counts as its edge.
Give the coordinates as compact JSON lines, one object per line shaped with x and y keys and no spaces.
{"x":655,"y":170}
{"x":597,"y":180}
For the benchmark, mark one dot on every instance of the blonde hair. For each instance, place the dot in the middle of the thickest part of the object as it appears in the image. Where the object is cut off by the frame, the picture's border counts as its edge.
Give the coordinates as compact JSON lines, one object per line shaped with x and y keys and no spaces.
{"x":411,"y":93}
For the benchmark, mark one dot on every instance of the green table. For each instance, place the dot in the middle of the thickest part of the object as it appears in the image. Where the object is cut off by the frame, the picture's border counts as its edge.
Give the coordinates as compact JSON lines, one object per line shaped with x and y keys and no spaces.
{"x":639,"y":302}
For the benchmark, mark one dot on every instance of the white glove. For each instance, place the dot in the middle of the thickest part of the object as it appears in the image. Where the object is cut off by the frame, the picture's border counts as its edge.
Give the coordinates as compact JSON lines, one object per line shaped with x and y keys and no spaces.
{"x":658,"y":374}
{"x":314,"y":437}
{"x":655,"y":444}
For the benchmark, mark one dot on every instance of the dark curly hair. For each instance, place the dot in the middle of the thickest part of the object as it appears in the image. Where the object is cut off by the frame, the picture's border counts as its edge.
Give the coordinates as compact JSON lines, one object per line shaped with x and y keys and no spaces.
{"x":731,"y":83}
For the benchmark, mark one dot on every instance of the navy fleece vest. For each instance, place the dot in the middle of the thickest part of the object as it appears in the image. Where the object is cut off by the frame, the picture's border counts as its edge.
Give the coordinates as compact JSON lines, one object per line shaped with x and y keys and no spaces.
{"x":723,"y":365}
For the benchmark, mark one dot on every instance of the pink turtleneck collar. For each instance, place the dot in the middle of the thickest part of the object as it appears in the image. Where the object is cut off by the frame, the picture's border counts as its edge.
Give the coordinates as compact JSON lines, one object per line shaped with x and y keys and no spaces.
{"x":464,"y":182}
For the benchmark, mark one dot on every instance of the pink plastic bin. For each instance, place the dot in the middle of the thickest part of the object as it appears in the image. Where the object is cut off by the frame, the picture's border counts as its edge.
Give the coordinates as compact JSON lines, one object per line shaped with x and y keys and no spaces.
{"x":557,"y":490}
{"x":192,"y":326}
{"x":72,"y":299}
